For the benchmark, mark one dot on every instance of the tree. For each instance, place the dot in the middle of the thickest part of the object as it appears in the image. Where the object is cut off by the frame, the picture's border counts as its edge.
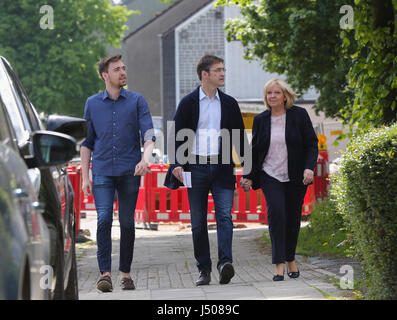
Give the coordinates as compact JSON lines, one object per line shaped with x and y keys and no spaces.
{"x":305,"y":41}
{"x":373,"y":73}
{"x":54,"y":48}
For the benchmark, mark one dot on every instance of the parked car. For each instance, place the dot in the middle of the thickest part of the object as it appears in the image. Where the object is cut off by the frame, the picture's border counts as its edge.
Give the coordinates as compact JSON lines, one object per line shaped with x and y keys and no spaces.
{"x":55,"y":191}
{"x":24,"y":236}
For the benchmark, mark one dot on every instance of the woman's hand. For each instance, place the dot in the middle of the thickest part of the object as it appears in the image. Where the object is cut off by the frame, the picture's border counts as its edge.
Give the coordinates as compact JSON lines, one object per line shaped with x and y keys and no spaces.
{"x":308,"y":176}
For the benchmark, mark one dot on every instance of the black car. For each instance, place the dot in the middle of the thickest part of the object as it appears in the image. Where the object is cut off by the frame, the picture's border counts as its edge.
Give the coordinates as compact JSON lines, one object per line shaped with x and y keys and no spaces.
{"x":25,"y":268}
{"x":55,"y":191}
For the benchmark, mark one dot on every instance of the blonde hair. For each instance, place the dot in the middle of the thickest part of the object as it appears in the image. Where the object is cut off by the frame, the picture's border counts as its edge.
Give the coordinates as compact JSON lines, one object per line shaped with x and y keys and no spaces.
{"x":289,"y":94}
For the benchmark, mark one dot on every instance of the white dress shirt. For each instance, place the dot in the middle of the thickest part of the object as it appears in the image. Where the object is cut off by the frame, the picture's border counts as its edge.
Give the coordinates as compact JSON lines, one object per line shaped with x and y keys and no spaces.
{"x":208,"y":128}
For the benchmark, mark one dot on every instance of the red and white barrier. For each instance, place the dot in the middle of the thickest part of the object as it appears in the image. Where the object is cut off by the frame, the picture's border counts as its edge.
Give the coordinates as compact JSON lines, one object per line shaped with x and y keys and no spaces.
{"x":157,"y":203}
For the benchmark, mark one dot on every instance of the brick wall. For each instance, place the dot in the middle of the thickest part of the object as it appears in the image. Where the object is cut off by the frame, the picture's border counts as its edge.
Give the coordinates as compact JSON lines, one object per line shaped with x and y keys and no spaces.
{"x":204,"y":34}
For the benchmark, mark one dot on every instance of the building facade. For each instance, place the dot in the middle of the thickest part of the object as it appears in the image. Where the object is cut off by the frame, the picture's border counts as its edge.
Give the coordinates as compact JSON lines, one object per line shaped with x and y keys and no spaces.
{"x":163,"y":55}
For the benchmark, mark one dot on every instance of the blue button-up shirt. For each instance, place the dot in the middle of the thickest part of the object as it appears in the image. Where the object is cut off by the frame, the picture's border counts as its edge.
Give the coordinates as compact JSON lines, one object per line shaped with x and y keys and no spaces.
{"x":115,"y":130}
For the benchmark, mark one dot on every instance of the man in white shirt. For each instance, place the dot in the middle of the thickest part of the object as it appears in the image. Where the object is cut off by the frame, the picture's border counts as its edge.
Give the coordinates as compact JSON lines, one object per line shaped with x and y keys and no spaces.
{"x":210,"y":113}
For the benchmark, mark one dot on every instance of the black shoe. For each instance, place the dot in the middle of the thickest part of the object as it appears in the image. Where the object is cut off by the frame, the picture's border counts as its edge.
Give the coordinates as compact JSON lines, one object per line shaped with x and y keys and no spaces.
{"x":293,"y":275}
{"x":204,"y":278}
{"x":226,"y":272}
{"x":278,"y":277}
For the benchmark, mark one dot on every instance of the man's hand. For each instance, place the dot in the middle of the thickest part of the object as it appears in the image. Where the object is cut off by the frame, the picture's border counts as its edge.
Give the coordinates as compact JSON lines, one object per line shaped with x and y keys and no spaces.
{"x":142,"y":168}
{"x":246,"y":184}
{"x":177,"y":172}
{"x":87,"y":187}
{"x":85,"y":155}
{"x":307,"y":176}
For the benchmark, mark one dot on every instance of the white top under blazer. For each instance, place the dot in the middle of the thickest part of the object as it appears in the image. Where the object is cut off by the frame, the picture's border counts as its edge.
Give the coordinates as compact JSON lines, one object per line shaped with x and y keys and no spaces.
{"x":276,"y":160}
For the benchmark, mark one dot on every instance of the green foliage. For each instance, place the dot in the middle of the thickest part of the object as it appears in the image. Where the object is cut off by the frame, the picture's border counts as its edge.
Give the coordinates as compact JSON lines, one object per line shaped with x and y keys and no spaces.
{"x":373,"y":74}
{"x":365,"y":190}
{"x":354,"y":71}
{"x":325,"y":234}
{"x":297,"y":38}
{"x":57,"y":66}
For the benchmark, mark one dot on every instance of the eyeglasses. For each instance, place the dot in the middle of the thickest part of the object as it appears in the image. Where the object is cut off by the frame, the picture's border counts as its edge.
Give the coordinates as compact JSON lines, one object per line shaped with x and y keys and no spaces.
{"x":218,"y":70}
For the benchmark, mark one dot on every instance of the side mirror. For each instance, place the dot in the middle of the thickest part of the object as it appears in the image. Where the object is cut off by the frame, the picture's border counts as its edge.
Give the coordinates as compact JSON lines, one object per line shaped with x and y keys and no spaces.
{"x":50,"y":149}
{"x":75,"y":127}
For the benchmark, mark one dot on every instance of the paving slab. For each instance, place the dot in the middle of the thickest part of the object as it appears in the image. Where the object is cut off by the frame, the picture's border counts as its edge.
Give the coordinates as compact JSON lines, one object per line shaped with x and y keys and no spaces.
{"x":164,"y":268}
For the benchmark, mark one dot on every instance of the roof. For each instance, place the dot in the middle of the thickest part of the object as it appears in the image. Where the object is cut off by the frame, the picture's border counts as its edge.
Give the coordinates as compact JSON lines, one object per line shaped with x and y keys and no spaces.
{"x":167,"y":11}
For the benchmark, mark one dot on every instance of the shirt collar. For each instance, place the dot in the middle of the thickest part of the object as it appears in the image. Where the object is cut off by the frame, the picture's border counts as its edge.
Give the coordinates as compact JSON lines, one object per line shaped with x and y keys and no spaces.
{"x":106,"y":95}
{"x":202,"y":95}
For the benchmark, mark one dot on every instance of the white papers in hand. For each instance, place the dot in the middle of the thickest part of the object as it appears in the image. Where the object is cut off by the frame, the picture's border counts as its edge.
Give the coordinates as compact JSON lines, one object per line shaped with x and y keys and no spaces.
{"x":187,"y":179}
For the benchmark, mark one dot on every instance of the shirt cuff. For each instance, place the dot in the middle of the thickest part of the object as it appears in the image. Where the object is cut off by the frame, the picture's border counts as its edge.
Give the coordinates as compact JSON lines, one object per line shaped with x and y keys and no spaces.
{"x":87,"y":144}
{"x":149,"y":135}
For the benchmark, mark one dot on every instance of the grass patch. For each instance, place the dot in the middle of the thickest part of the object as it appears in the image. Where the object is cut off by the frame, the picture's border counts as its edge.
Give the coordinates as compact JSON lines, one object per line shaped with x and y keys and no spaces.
{"x":86,"y":245}
{"x":325,"y":235}
{"x":83,"y":247}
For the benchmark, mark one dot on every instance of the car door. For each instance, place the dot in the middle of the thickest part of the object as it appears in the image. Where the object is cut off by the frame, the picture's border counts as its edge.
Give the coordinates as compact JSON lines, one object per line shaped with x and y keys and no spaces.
{"x":55,"y":189}
{"x":24,"y":235}
{"x":59,"y":174}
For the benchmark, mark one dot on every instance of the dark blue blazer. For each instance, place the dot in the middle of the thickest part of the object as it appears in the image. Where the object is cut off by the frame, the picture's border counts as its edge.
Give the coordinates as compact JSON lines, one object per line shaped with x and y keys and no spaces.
{"x":187,"y":116}
{"x":301,"y":140}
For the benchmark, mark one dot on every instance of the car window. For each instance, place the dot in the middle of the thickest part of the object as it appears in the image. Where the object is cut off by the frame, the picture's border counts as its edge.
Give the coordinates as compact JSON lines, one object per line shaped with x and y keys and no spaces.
{"x":7,"y":136}
{"x":14,"y":107}
{"x":30,"y":113}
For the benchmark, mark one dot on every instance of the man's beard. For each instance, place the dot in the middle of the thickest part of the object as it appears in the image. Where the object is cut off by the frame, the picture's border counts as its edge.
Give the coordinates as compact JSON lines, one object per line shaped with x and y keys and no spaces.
{"x":119,"y":84}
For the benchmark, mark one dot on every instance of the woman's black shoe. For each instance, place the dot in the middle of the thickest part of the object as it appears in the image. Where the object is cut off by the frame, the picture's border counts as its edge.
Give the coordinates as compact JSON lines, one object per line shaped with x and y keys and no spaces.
{"x":293,"y":275}
{"x":278,"y":277}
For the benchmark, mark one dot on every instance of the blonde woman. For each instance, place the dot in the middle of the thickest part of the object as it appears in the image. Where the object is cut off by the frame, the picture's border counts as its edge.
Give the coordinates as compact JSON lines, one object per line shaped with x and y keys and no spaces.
{"x":284,"y":151}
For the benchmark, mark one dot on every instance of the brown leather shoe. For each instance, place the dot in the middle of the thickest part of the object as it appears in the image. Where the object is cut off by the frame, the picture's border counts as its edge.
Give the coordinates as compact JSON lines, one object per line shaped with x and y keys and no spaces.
{"x":127,"y":284}
{"x":104,"y":284}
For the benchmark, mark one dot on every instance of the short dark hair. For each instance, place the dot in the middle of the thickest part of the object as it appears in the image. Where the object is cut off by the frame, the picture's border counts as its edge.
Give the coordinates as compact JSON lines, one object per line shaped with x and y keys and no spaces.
{"x":103,"y":64}
{"x":206,"y":62}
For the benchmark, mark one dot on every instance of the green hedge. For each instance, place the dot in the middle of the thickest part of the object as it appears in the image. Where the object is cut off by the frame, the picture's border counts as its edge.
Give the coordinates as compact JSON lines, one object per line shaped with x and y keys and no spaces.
{"x":366,"y":194}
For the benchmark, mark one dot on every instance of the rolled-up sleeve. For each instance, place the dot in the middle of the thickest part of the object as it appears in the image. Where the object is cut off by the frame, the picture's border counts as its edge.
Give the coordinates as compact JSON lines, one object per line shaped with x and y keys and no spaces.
{"x":145,"y":121}
{"x":89,"y":141}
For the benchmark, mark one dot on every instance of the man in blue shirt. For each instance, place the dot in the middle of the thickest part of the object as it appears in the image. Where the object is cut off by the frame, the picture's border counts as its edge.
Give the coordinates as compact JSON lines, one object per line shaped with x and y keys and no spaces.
{"x":118,"y":120}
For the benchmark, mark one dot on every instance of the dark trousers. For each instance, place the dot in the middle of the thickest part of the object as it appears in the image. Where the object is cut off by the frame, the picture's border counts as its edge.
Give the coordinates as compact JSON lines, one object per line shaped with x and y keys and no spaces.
{"x":104,"y":188}
{"x":203,"y":181}
{"x":284,"y":202}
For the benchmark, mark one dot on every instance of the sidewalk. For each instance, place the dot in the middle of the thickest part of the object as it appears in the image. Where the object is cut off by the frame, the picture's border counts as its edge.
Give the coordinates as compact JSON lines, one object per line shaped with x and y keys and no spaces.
{"x":164,"y":268}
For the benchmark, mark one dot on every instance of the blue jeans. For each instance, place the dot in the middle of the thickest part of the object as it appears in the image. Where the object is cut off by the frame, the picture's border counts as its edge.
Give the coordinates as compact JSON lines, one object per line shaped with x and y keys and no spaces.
{"x":202,"y":182}
{"x":104,"y":188}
